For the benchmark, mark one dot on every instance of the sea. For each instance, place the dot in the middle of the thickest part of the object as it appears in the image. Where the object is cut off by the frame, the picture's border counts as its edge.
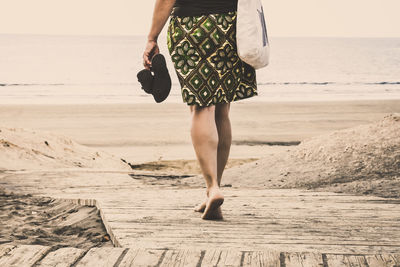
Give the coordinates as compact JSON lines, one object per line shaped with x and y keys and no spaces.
{"x":41,"y":69}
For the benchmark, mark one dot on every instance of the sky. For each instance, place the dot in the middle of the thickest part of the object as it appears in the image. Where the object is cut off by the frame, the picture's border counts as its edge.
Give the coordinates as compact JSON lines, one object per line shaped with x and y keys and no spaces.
{"x":285,"y":18}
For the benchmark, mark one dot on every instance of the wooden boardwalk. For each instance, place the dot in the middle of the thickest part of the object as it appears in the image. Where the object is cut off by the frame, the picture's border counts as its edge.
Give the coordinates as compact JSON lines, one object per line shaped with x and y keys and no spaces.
{"x":263,"y":227}
{"x":42,"y":256}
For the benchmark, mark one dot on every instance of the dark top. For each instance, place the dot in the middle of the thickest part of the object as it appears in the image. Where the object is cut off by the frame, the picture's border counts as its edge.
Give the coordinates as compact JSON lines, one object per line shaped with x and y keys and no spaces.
{"x":203,"y":7}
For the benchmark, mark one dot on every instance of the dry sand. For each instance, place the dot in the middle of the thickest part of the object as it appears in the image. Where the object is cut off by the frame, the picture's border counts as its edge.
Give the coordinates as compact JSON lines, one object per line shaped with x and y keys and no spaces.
{"x":45,"y":221}
{"x":363,"y":160}
{"x":33,"y":150}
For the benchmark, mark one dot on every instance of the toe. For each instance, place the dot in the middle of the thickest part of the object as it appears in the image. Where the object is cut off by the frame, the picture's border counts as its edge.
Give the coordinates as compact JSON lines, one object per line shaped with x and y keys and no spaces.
{"x":201,"y":207}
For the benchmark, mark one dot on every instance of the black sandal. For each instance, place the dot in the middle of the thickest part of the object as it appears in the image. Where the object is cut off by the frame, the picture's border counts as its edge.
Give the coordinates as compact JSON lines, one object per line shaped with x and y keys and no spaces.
{"x":146,"y":79}
{"x":159,"y":84}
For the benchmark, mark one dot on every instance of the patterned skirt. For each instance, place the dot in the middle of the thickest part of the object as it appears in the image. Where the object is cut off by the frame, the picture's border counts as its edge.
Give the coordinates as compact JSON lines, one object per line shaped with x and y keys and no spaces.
{"x":203,"y":50}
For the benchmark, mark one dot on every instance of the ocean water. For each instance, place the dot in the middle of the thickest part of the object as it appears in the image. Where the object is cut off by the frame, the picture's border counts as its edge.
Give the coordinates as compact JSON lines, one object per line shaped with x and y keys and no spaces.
{"x":39,"y":69}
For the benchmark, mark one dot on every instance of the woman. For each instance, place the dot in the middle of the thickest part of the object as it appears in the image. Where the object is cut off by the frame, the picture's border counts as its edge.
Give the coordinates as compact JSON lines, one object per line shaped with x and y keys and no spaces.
{"x":202,"y":45}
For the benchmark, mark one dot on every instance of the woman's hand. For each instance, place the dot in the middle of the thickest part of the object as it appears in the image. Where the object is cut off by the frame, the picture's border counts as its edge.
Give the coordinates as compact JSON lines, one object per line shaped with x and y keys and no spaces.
{"x":162,"y":10}
{"x":150,"y":51}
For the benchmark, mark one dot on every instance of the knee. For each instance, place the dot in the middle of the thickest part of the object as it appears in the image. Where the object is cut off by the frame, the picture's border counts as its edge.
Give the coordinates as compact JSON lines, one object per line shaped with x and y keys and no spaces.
{"x":203,"y":127}
{"x":204,"y":135}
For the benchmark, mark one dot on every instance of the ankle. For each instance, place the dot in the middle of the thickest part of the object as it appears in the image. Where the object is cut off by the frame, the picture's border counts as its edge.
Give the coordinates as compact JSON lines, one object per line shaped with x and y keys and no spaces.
{"x":212,"y":188}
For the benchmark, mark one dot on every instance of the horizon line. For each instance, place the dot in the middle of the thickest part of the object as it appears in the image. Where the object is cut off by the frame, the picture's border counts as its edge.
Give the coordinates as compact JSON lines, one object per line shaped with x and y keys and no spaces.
{"x":164,"y":36}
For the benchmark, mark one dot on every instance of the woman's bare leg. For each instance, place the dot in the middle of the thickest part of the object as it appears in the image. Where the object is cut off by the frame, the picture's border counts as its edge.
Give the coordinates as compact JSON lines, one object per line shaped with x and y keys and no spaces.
{"x":204,"y":135}
{"x":224,"y":137}
{"x":224,"y":130}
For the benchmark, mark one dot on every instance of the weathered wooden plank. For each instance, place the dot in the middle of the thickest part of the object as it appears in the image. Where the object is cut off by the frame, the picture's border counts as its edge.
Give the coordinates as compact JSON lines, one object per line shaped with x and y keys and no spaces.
{"x":23,"y":255}
{"x":123,"y":222}
{"x":282,"y":246}
{"x":335,"y":260}
{"x":195,"y":195}
{"x":101,"y":257}
{"x":266,"y":193}
{"x":303,"y":259}
{"x":266,"y":258}
{"x":396,"y":257}
{"x":294,"y":233}
{"x":292,"y":230}
{"x":253,"y":233}
{"x":348,"y":203}
{"x":258,"y":212}
{"x":346,"y":260}
{"x":142,"y":257}
{"x":251,"y":258}
{"x":296,"y":208}
{"x":316,"y":235}
{"x":250,"y":239}
{"x":211,"y":257}
{"x":356,"y":261}
{"x":230,"y":257}
{"x":380,"y":260}
{"x":251,"y":217}
{"x":63,"y":257}
{"x":256,"y":215}
{"x":129,"y":257}
{"x":181,"y":258}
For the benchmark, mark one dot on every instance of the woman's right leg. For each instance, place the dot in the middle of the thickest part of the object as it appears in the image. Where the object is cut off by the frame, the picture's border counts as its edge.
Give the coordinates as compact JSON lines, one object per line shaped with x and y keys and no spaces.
{"x":223,"y":125}
{"x":205,"y":142}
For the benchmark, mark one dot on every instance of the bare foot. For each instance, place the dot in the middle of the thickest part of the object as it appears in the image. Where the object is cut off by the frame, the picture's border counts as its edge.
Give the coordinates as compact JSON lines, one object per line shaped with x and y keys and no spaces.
{"x":213,"y":209}
{"x":201,"y":207}
{"x":215,"y":215}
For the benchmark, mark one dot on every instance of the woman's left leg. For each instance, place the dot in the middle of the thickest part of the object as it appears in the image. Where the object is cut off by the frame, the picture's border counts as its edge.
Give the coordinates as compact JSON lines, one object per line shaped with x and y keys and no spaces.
{"x":205,"y":142}
{"x":224,"y":137}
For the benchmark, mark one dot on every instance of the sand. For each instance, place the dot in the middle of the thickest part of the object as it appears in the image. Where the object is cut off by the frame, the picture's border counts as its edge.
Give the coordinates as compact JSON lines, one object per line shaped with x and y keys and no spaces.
{"x":36,"y":150}
{"x":361,"y":160}
{"x":45,"y":221}
{"x":183,"y":167}
{"x":143,"y":133}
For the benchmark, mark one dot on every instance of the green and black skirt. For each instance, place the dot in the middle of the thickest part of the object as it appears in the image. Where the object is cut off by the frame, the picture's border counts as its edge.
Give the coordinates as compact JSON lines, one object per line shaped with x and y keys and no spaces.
{"x":204,"y":52}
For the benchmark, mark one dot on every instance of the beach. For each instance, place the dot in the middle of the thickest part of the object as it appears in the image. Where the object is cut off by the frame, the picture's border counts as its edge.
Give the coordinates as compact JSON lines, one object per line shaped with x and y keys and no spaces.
{"x":142,"y":133}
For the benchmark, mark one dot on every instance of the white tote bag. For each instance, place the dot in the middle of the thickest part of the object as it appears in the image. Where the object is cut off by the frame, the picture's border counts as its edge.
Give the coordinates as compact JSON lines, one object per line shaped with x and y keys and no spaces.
{"x":251,"y":33}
